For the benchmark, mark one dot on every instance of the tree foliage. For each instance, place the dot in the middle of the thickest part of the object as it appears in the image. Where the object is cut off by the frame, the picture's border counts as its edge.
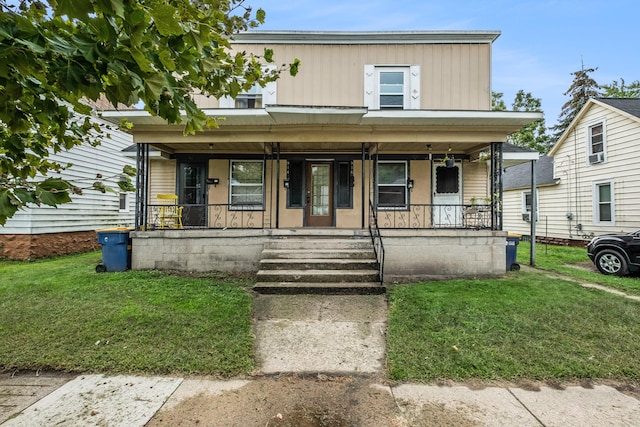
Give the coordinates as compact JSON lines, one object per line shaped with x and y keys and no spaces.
{"x":497,"y":101}
{"x":621,"y":90}
{"x":57,"y":54}
{"x":533,"y":135}
{"x":583,"y":87}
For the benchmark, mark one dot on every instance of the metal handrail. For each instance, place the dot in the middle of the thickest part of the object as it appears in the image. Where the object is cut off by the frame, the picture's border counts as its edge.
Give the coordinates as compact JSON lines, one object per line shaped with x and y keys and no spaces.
{"x":376,"y":240}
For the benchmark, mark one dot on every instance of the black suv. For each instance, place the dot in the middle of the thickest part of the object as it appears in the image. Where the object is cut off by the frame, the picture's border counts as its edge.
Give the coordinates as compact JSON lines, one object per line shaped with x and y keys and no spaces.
{"x":617,"y":254}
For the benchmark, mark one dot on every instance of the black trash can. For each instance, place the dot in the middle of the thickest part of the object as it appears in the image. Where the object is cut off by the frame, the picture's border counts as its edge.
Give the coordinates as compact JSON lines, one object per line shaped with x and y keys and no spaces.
{"x":512,"y":252}
{"x":116,"y":249}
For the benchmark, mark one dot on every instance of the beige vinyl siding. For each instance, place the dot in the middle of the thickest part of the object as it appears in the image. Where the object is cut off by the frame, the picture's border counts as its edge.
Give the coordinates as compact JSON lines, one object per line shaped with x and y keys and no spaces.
{"x":453,"y":76}
{"x":475,"y":181}
{"x":92,"y":210}
{"x":162,"y":178}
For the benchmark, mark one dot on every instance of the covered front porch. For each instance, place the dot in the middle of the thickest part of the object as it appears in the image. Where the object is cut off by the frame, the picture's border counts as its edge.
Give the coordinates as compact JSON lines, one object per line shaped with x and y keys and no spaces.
{"x":422,"y":179}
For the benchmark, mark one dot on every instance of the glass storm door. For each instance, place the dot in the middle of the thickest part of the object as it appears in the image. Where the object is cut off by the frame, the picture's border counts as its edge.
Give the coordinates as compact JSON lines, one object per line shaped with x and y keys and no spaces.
{"x":319,"y":192}
{"x":192,"y":193}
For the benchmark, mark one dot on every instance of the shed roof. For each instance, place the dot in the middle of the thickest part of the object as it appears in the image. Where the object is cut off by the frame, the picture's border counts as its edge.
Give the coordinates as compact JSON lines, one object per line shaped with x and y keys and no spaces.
{"x":519,"y":176}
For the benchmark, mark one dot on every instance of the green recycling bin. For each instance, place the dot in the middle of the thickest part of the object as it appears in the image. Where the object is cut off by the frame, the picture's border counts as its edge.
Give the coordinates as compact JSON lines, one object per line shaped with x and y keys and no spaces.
{"x":512,"y":252}
{"x":116,"y":249}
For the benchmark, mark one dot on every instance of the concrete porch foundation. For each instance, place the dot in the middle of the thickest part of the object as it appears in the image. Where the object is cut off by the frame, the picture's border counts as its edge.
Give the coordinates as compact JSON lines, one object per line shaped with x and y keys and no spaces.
{"x":410,"y":255}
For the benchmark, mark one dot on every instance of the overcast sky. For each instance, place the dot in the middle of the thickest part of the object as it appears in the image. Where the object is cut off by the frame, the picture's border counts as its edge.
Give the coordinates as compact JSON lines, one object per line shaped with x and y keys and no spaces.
{"x":542,"y":41}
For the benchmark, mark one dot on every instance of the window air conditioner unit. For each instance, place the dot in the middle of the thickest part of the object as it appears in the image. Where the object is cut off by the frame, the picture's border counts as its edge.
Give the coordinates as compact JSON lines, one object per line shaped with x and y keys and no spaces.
{"x":526,"y":216}
{"x":596,"y":158}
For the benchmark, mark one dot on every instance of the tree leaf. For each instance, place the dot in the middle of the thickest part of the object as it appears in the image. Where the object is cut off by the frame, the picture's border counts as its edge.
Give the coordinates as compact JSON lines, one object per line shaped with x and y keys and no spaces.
{"x":164,"y":18}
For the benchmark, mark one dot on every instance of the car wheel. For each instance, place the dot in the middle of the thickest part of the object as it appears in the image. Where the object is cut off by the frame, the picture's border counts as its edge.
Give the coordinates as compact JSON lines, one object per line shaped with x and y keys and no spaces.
{"x":611,"y":262}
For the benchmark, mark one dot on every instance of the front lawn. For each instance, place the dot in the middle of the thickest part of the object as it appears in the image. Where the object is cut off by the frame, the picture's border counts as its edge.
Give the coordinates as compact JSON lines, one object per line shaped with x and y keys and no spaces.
{"x":60,"y":314}
{"x":523,"y":326}
{"x":574,"y":262}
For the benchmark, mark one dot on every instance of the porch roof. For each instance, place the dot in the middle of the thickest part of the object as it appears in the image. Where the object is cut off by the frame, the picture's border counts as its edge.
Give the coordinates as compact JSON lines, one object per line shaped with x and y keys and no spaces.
{"x":331,"y":128}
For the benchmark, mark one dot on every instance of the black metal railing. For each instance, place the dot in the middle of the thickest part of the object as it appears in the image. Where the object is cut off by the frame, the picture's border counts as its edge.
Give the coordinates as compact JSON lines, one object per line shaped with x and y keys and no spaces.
{"x":216,"y":216}
{"x":376,"y":239}
{"x":428,"y":216}
{"x":415,"y":216}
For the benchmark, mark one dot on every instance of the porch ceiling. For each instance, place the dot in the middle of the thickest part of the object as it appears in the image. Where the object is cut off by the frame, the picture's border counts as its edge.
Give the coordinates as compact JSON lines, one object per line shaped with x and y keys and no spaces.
{"x":322,"y":129}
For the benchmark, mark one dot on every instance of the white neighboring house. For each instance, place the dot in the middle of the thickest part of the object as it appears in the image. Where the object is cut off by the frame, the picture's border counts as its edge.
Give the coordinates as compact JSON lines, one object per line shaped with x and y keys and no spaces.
{"x":40,"y":231}
{"x":592,"y":187}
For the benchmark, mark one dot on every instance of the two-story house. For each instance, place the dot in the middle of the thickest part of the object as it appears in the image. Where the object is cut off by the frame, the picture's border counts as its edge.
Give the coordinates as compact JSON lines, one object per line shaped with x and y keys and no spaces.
{"x":379,"y":129}
{"x":589,"y":184}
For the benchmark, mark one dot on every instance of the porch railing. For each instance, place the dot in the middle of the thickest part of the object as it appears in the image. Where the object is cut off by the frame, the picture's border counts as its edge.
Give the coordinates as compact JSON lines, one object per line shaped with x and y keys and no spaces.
{"x":216,"y":216}
{"x":376,"y":239}
{"x":428,"y":216}
{"x":415,"y":216}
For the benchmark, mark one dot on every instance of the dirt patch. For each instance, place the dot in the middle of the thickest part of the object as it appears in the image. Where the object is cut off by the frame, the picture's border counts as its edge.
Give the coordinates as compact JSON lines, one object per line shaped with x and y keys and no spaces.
{"x":308,"y":402}
{"x":33,"y":246}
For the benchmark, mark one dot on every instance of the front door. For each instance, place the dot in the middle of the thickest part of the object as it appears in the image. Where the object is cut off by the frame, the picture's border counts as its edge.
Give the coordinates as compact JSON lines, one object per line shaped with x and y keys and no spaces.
{"x":447,"y":196}
{"x":192,"y":193}
{"x":319,"y":195}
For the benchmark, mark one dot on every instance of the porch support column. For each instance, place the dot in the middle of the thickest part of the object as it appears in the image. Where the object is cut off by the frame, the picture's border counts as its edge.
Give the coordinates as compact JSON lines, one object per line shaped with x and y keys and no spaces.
{"x":534,"y":214}
{"x":277,"y":185}
{"x":363,"y":184}
{"x":497,"y":166}
{"x":142,"y":178}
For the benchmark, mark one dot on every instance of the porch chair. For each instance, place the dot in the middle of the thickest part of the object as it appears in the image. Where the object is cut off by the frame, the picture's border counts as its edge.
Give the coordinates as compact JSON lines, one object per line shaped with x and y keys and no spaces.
{"x":169,"y":213}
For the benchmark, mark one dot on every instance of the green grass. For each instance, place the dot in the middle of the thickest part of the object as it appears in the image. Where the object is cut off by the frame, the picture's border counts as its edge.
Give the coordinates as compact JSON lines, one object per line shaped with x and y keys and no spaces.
{"x":60,"y":314}
{"x":568,"y":260}
{"x":523,"y":326}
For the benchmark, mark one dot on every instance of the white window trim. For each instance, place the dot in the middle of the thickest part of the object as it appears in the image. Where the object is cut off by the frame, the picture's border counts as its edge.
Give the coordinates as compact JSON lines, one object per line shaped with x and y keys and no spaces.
{"x":247,"y":207}
{"x":411,"y":89}
{"x":126,"y":202}
{"x":269,"y":93}
{"x":406,"y":190}
{"x":524,"y":204}
{"x":596,"y":203}
{"x":588,"y":142}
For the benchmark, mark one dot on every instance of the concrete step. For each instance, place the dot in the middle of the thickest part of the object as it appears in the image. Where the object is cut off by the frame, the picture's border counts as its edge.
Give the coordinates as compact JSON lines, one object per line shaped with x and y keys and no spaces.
{"x":318,"y":276}
{"x":304,"y":244}
{"x":318,"y":254}
{"x":318,"y":264}
{"x":359,"y":288}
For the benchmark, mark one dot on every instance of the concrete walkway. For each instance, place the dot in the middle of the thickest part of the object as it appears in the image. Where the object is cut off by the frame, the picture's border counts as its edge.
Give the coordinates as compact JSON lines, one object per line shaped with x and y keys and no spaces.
{"x":338,"y":334}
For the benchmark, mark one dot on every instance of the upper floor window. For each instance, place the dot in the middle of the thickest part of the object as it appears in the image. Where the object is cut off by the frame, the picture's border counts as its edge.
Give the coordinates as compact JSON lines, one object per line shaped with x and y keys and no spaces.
{"x":247,"y":183}
{"x":603,"y":207}
{"x":392,"y":87}
{"x":256,"y":97}
{"x":596,"y":143}
{"x":251,"y":98}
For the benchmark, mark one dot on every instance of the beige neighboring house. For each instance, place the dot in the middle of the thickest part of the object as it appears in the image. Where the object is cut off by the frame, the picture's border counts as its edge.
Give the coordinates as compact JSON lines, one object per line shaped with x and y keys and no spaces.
{"x":36,"y":232}
{"x":589,"y":185}
{"x":357,"y":140}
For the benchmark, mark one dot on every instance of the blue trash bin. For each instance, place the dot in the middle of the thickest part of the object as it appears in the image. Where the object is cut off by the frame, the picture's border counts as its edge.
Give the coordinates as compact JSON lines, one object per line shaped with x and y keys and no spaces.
{"x":512,"y":252}
{"x":116,"y":249}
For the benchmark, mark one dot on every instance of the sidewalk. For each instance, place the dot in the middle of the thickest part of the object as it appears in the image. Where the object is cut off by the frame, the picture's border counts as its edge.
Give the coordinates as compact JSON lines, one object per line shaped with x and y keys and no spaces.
{"x":96,"y":400}
{"x":320,"y":359}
